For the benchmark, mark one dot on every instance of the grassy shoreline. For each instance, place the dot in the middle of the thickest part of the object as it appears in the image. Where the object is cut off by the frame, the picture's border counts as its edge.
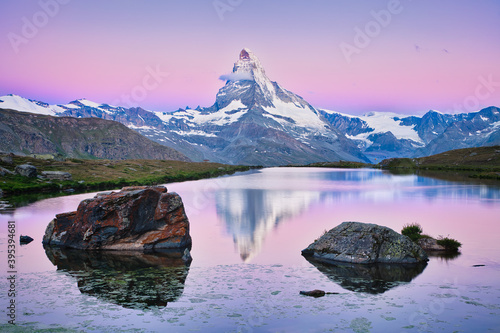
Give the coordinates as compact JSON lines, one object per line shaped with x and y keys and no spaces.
{"x":91,"y":175}
{"x":479,"y":163}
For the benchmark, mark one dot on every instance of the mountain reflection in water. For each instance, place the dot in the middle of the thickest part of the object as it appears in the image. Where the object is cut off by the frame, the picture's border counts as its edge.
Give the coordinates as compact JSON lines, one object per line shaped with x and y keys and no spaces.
{"x":372,"y":279}
{"x":250,"y":214}
{"x":254,"y":205}
{"x":127,"y":278}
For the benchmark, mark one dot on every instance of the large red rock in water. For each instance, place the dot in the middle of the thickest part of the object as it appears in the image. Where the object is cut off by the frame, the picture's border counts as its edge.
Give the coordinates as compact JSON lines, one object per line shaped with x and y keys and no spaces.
{"x":136,"y":218}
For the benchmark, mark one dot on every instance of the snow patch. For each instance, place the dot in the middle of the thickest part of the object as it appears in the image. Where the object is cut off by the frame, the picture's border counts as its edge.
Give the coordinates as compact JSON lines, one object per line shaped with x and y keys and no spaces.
{"x":225,"y":116}
{"x":90,"y":103}
{"x":383,"y":122}
{"x":22,"y":104}
{"x":302,"y":116}
{"x":141,"y":127}
{"x":195,"y":132}
{"x":220,"y":117}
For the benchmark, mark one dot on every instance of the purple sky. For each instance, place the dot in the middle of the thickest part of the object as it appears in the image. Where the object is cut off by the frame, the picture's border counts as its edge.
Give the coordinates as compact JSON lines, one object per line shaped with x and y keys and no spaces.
{"x":350,"y":56}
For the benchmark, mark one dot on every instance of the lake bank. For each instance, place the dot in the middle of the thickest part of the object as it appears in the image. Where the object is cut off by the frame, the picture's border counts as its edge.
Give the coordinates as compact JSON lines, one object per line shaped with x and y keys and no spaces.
{"x":92,"y":175}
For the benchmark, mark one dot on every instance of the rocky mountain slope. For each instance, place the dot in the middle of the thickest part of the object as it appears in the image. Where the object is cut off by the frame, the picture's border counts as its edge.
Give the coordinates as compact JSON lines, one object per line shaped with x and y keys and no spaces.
{"x":27,"y":133}
{"x":383,"y":135}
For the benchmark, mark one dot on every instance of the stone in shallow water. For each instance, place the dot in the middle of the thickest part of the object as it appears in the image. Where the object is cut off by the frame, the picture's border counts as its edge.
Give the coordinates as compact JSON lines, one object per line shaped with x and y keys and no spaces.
{"x":24,"y":239}
{"x":365,"y":243}
{"x":136,"y":218}
{"x":430,"y":244}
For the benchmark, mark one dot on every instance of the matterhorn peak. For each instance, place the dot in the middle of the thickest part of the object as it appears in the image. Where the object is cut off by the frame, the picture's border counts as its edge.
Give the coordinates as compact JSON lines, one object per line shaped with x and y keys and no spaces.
{"x":249,"y":63}
{"x":248,"y":55}
{"x":249,"y":84}
{"x":245,"y":54}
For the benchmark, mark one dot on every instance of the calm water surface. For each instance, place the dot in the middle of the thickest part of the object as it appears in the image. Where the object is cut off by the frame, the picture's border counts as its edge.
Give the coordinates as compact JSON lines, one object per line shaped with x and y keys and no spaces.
{"x":248,"y":230}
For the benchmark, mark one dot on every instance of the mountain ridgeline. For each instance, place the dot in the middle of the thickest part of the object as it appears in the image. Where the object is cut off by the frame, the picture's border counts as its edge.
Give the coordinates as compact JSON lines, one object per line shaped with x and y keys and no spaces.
{"x":25,"y":133}
{"x":383,"y":135}
{"x":255,"y":121}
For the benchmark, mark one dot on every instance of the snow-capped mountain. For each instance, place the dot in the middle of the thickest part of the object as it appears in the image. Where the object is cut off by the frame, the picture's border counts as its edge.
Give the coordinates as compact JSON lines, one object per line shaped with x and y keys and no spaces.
{"x":253,"y":121}
{"x":474,"y":129}
{"x":256,"y":121}
{"x":383,"y":135}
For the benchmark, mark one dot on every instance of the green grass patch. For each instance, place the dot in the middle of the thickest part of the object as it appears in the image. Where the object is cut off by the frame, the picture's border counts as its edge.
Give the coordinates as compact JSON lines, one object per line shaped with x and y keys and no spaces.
{"x":449,"y":244}
{"x":412,"y":231}
{"x":480,"y":162}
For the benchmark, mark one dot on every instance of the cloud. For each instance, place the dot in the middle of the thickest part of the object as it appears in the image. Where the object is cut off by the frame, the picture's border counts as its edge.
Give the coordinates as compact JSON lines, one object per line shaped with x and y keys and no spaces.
{"x":237,"y":77}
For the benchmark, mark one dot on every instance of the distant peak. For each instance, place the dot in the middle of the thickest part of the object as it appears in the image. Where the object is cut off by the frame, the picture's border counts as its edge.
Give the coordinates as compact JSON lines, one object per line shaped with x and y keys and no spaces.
{"x":248,"y":63}
{"x":85,"y":102}
{"x":245,"y":54}
{"x":15,"y":96}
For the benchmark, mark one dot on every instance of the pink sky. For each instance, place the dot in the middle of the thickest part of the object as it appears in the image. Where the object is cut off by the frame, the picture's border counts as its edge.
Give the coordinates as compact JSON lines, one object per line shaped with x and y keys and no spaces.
{"x":422,"y":56}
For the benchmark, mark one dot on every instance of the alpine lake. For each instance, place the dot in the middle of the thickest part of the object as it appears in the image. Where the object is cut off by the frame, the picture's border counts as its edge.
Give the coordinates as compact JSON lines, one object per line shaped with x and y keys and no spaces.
{"x":248,"y":230}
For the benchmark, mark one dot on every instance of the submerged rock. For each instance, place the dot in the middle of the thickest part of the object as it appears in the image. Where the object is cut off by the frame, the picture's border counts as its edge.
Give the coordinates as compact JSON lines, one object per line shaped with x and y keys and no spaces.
{"x":316,"y":293}
{"x":365,"y":243}
{"x":23,"y":239}
{"x":136,"y":218}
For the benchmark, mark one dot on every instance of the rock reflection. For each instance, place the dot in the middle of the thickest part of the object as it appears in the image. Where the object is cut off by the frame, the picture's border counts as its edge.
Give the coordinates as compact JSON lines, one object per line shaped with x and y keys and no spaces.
{"x":443,"y":255}
{"x":250,"y":214}
{"x":126,"y":278}
{"x":372,"y":279}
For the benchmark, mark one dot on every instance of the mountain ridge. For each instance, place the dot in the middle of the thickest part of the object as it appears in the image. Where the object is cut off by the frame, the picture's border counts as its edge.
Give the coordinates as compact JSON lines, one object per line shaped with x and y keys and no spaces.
{"x":417,"y":136}
{"x":27,"y":133}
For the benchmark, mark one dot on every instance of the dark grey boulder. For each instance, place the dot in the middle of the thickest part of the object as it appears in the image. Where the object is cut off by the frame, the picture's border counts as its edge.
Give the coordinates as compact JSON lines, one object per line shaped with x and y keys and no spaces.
{"x":24,"y":239}
{"x":26,"y":170}
{"x":5,"y":172}
{"x":365,"y":243}
{"x":7,"y":159}
{"x":56,"y":175}
{"x":316,"y":293}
